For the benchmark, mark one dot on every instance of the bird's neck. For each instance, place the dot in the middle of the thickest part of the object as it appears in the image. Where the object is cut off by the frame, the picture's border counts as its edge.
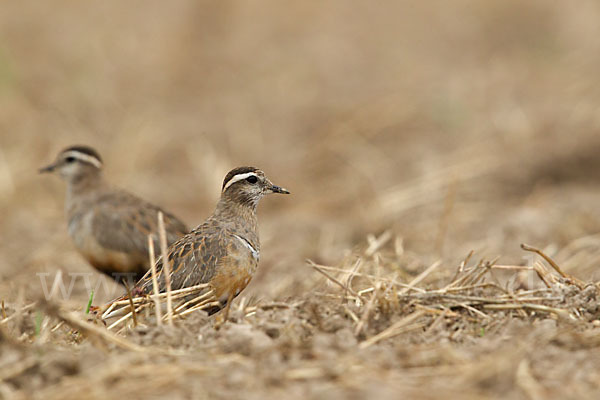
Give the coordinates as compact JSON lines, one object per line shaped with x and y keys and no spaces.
{"x":81,"y":187}
{"x":241,"y":216}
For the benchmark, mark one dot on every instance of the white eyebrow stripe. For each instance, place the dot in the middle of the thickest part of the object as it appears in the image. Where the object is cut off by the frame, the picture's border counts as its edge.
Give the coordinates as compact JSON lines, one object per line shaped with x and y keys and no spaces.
{"x":239,"y":177}
{"x":83,"y":157}
{"x":255,"y":253}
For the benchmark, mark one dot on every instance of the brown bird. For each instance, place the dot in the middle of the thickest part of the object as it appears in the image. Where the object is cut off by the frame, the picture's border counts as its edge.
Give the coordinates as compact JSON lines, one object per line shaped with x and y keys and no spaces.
{"x":109,"y":226}
{"x":224,"y":250}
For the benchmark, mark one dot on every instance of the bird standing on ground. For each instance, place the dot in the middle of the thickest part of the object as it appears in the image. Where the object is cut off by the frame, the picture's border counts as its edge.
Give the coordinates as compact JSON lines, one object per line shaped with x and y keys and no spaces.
{"x":224,"y":250}
{"x":109,"y":226}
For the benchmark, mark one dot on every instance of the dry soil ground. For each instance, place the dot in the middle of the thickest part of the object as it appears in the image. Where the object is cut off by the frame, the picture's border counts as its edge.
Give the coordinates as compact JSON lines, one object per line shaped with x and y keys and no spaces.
{"x":410,"y":134}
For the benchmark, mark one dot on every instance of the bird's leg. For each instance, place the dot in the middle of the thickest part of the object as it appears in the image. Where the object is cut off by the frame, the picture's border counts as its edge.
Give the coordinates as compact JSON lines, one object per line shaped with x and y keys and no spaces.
{"x":222,"y":318}
{"x":227,"y":306}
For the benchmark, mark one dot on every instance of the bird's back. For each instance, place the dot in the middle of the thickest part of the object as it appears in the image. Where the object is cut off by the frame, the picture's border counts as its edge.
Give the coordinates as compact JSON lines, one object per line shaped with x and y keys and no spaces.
{"x":215,"y":253}
{"x":111,"y":230}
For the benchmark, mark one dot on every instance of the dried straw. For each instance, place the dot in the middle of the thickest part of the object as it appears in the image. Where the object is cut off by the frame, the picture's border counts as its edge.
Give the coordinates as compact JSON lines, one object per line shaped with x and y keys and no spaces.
{"x":162,"y":234}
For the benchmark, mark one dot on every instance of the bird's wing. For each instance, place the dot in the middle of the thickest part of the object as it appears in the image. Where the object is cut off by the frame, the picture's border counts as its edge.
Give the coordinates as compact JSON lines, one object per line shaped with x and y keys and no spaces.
{"x":194,"y":259}
{"x":122,"y":222}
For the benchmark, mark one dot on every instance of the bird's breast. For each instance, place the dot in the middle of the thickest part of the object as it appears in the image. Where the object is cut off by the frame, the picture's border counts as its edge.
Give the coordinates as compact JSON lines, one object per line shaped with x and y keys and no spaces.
{"x":106,"y":260}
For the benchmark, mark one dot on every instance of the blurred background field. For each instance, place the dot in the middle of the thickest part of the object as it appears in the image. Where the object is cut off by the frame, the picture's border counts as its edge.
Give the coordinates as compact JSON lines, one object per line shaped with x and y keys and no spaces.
{"x":450,"y":126}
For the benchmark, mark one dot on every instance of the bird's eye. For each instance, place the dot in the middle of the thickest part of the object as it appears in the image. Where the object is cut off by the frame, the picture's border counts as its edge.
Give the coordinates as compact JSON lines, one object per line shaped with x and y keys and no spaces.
{"x":70,"y":159}
{"x":252,"y":179}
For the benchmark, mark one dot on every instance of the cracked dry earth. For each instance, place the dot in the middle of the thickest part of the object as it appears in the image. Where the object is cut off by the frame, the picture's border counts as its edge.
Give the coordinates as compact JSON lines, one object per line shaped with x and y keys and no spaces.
{"x":309,"y":348}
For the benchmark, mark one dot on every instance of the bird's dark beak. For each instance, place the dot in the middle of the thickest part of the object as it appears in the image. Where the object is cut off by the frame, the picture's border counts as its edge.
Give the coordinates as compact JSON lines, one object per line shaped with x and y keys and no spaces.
{"x":279,"y":189}
{"x":48,"y":168}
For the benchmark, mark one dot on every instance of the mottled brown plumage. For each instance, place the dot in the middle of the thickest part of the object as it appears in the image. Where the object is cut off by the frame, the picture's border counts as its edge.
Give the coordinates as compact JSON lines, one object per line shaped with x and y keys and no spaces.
{"x":224,"y":250}
{"x":109,"y":226}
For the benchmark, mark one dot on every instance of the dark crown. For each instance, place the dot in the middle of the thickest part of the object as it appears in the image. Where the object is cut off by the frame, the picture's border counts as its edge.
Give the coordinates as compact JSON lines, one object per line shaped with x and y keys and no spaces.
{"x":237,"y":171}
{"x":84,"y":150}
